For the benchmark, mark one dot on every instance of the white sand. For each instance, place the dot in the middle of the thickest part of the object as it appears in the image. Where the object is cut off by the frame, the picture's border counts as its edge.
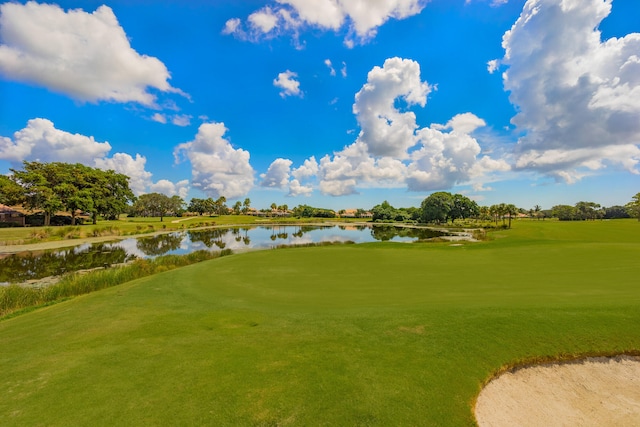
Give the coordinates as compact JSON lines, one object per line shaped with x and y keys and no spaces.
{"x":596,"y":391}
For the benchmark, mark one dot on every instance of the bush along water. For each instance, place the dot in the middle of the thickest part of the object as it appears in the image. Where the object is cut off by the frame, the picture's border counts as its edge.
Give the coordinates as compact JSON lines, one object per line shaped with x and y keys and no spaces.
{"x":14,"y":298}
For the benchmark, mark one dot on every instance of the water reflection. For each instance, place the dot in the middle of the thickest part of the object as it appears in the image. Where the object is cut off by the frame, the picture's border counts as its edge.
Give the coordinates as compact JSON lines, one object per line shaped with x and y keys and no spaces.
{"x":160,"y":244}
{"x":31,"y":265}
{"x":37,"y":265}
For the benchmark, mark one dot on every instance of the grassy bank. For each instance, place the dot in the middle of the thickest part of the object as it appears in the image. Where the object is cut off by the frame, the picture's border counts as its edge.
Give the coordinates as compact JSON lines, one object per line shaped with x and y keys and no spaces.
{"x":17,"y":298}
{"x":371,"y":334}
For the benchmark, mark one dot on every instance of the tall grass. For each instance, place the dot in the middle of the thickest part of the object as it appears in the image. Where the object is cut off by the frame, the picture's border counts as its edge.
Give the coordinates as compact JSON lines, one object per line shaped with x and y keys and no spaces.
{"x":15,"y":297}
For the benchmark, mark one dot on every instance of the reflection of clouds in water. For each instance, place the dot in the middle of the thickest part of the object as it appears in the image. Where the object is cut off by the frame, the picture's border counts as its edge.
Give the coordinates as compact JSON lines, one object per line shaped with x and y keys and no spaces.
{"x":302,"y":240}
{"x":335,"y":238}
{"x":130,"y":246}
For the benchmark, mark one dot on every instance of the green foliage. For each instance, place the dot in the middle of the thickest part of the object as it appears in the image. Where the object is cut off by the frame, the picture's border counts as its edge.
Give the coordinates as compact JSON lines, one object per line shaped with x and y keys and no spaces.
{"x":157,"y":204}
{"x":305,"y":211}
{"x":437,"y":207}
{"x":10,"y":192}
{"x":56,"y":186}
{"x":616,"y":212}
{"x":581,"y":211}
{"x":633,"y":207}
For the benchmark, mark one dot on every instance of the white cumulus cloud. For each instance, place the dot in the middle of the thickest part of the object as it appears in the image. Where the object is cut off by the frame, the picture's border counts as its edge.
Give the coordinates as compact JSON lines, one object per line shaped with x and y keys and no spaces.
{"x":218,"y":169}
{"x":578,"y":96}
{"x":134,"y":168}
{"x":86,"y":56}
{"x":168,"y":188}
{"x":277,"y":176}
{"x":41,"y":141}
{"x":385,"y":130}
{"x":288,"y":84}
{"x":362,"y":18}
{"x":392,"y":150}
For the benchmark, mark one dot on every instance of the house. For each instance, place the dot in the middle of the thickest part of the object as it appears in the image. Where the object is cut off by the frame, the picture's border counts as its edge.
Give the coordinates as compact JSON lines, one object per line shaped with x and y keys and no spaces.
{"x":14,"y":215}
{"x":355,"y":213}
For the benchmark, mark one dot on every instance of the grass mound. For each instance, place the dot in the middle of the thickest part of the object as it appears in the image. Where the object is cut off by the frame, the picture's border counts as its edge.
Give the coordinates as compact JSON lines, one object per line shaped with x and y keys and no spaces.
{"x":371,"y":334}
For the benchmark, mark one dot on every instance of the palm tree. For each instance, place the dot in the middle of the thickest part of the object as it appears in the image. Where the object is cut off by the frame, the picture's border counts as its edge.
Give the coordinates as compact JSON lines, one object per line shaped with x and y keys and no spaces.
{"x":511,"y":210}
{"x":537,"y":210}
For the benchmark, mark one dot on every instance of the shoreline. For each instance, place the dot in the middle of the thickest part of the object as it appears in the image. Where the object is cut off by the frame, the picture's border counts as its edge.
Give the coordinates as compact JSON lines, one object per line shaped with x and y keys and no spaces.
{"x":462,"y":234}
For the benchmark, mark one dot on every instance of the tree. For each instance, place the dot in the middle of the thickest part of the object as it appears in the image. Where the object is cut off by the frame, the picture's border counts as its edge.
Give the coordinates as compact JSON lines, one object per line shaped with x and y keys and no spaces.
{"x":437,"y":207}
{"x":588,"y":210}
{"x":220,"y":207}
{"x":383,"y":212}
{"x":176,"y":205}
{"x":463,"y":207}
{"x":615,"y":212}
{"x":537,"y":212}
{"x":111,"y":194}
{"x":197,"y":205}
{"x":11,"y":193}
{"x":633,"y":206}
{"x":72,"y":187}
{"x":564,"y":212}
{"x":246,"y":205}
{"x":209,"y":206}
{"x":154,"y":204}
{"x":38,"y":181}
{"x":512,"y":211}
{"x":237,"y":207}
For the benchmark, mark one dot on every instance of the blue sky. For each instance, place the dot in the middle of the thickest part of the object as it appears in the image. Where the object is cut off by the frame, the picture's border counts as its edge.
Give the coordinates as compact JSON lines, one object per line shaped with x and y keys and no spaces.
{"x":332,"y":103}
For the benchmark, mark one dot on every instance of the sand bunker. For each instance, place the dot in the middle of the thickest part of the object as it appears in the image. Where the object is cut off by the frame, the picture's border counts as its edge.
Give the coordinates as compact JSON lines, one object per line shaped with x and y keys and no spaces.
{"x":597,"y":391}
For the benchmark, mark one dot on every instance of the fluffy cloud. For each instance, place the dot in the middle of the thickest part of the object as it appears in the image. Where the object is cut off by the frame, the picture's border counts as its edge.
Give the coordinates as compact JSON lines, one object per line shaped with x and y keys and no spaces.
{"x":277,"y":175}
{"x":41,"y":141}
{"x":445,"y":158}
{"x":296,"y":189}
{"x":86,"y":56}
{"x":288,"y":84}
{"x":217,"y":168}
{"x":180,"y":188}
{"x":578,"y":97}
{"x":392,"y":150}
{"x":361,"y":17}
{"x":385,"y":130}
{"x":134,"y":168}
{"x":308,"y":169}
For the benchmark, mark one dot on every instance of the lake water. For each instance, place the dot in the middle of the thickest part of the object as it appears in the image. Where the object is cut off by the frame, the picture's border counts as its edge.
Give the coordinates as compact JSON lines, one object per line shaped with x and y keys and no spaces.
{"x":37,"y":265}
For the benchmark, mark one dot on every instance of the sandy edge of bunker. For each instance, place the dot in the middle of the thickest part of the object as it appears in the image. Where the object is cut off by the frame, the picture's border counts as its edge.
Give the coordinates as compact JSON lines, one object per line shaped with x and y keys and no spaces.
{"x":593,"y":391}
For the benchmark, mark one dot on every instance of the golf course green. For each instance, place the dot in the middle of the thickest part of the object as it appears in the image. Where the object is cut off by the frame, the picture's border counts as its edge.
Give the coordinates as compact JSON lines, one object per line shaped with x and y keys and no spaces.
{"x":369,"y":334}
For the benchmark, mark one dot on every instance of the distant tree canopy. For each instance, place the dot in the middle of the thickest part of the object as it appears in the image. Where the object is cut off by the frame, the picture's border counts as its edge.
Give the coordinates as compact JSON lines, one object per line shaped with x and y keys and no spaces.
{"x":386,"y":212}
{"x":442,"y":206}
{"x":616,"y":212}
{"x":157,"y":204}
{"x":633,"y":207}
{"x":305,"y":211}
{"x":57,"y":186}
{"x":580,"y":212}
{"x":210,"y":206}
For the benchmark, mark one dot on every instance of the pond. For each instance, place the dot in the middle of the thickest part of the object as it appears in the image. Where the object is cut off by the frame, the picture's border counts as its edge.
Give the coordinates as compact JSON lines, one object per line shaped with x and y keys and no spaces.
{"x":15,"y":268}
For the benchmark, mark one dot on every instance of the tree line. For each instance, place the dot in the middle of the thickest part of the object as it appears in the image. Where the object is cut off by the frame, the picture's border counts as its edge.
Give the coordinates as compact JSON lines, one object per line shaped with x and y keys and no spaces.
{"x":74,"y":188}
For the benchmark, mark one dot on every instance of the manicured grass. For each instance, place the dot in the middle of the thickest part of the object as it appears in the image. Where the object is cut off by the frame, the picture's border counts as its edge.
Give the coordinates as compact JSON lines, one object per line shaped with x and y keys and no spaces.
{"x":371,"y":334}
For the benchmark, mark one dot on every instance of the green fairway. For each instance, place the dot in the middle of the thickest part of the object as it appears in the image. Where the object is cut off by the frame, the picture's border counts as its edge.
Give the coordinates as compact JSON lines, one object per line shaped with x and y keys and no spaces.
{"x":372,"y":334}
